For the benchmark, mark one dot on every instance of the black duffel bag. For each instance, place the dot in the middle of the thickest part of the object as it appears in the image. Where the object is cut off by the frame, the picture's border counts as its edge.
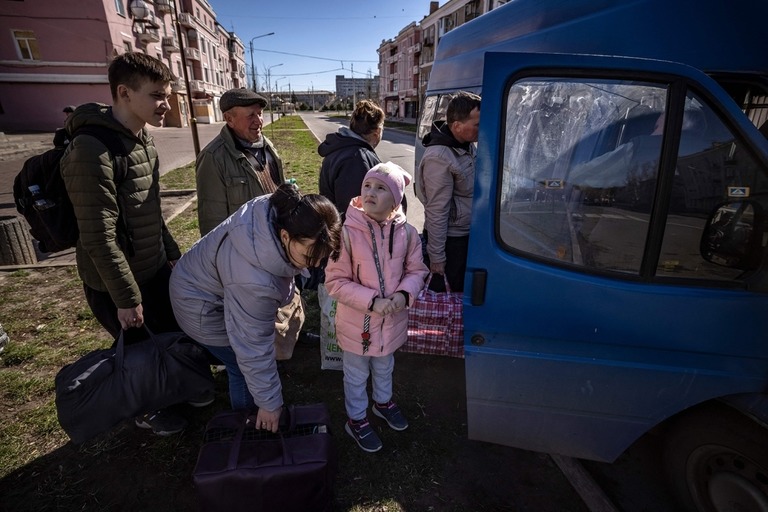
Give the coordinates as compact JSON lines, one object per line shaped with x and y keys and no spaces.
{"x":107,"y":386}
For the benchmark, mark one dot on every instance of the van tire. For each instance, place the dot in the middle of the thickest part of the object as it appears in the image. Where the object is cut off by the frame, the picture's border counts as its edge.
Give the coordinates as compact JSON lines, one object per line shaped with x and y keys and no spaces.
{"x":716,"y":459}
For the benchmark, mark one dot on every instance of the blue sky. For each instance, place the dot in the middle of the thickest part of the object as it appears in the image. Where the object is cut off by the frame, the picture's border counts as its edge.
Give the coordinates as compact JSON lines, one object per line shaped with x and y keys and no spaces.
{"x":314,"y":40}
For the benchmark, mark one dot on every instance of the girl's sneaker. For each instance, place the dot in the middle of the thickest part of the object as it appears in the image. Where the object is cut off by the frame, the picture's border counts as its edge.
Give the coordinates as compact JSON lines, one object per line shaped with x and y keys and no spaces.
{"x":390,"y":413}
{"x":363,"y":435}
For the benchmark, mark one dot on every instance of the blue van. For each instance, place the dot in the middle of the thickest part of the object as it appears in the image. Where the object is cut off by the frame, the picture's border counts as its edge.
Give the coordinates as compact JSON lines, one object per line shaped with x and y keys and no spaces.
{"x":617,"y":279}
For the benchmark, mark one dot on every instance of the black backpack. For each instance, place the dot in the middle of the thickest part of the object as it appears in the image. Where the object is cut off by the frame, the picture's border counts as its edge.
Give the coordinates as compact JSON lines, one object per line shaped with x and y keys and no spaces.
{"x":41,"y":197}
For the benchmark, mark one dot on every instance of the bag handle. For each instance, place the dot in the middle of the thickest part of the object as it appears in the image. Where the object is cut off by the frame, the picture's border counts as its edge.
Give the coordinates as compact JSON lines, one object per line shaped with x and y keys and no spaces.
{"x":120,"y":345}
{"x":287,"y":418}
{"x":429,"y":280}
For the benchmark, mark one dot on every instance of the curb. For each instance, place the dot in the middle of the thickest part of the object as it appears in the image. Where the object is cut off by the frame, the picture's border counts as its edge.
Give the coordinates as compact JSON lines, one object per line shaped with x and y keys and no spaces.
{"x":66,"y":258}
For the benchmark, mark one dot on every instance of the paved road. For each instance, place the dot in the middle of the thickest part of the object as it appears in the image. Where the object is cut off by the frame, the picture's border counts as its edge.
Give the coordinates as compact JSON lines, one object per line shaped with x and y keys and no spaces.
{"x":174,"y":145}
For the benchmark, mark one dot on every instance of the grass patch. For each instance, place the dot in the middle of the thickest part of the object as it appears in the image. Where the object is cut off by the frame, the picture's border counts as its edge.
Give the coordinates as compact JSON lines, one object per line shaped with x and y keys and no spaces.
{"x":297,"y":147}
{"x":182,"y":178}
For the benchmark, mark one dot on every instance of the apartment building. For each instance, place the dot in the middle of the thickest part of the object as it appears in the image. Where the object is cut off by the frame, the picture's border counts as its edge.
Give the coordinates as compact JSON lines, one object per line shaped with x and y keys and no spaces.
{"x":357,"y":88}
{"x":405,"y":61}
{"x":59,"y":56}
{"x":399,"y":72}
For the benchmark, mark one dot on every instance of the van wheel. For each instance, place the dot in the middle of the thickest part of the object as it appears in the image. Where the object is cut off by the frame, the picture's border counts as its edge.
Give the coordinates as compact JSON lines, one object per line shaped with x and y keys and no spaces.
{"x":716,"y":460}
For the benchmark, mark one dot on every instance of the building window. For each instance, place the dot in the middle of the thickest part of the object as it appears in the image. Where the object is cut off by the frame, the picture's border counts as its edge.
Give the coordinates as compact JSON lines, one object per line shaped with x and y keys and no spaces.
{"x":119,"y":7}
{"x":127,"y":46}
{"x":472,"y":10}
{"x":26,"y":44}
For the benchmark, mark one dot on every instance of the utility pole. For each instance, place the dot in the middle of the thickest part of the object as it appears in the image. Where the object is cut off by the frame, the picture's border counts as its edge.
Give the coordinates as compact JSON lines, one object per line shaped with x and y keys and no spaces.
{"x":192,"y":119}
{"x":269,"y":91}
{"x":254,"y":83}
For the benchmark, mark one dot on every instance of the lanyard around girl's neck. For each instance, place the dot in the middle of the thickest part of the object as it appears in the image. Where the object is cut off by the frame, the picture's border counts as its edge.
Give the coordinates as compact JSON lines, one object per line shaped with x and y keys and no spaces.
{"x":366,"y":335}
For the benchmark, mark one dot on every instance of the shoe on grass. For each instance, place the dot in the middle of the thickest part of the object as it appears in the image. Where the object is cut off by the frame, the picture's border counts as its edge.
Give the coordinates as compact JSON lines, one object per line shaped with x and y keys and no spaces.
{"x":390,"y":413}
{"x":363,"y":435}
{"x":162,"y":423}
{"x":203,"y":400}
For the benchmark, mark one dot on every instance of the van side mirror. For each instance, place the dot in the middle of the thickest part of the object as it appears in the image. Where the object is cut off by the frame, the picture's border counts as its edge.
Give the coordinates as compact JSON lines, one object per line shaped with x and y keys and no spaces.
{"x":733,"y":236}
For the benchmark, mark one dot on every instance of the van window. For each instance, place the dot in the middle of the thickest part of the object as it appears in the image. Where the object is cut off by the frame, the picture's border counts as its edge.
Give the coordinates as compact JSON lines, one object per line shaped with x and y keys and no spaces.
{"x":713,"y":167}
{"x":581,"y":170}
{"x":434,"y":110}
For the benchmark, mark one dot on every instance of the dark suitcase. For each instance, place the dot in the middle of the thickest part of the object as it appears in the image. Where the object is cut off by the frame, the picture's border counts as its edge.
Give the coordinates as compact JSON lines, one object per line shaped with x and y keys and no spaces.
{"x":240,"y":468}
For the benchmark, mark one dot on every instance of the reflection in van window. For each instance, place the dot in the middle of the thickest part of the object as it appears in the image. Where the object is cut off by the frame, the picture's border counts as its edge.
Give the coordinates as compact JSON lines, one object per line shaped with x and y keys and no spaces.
{"x":580,"y":168}
{"x":712,"y":168}
{"x":434,"y":110}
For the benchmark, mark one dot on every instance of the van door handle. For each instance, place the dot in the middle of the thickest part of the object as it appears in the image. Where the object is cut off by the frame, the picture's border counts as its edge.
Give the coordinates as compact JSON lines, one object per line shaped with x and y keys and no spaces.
{"x":479,"y":279}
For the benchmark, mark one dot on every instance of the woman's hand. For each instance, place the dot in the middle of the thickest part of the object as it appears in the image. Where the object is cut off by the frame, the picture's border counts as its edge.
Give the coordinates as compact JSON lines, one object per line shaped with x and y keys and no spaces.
{"x":268,"y":420}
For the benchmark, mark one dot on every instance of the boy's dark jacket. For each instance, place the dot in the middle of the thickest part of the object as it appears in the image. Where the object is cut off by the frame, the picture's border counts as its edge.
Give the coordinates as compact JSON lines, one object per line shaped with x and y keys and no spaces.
{"x":87,"y":168}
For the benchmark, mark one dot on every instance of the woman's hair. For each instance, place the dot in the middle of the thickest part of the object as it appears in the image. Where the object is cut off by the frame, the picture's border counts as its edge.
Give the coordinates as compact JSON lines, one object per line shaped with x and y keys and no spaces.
{"x":366,"y":117}
{"x":311,"y":217}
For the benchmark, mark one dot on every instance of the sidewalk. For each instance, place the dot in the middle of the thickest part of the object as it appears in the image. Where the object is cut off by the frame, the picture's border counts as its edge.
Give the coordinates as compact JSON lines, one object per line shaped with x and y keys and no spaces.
{"x":174,"y":147}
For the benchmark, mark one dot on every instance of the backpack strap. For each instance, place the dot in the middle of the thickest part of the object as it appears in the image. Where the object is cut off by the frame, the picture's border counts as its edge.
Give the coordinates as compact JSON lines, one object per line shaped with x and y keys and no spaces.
{"x":114,"y":144}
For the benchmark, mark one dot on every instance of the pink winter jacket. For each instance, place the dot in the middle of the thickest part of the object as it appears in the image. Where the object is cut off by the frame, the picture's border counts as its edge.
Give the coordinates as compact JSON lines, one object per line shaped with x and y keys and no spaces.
{"x":353,"y":280}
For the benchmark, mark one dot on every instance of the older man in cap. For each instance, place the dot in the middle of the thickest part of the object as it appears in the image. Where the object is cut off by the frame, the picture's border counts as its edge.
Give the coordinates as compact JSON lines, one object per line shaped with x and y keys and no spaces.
{"x":239,"y":164}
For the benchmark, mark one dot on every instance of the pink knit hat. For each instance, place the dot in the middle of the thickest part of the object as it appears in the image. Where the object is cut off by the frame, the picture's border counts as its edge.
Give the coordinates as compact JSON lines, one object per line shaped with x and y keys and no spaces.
{"x":395,"y":177}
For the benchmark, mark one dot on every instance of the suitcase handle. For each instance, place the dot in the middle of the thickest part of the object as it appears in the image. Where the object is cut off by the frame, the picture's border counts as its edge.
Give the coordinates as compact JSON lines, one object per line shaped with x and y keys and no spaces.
{"x":286,"y":418}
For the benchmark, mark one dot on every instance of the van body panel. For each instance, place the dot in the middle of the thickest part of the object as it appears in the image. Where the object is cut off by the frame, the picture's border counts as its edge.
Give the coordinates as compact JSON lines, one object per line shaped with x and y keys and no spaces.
{"x":710,"y":37}
{"x":581,"y":361}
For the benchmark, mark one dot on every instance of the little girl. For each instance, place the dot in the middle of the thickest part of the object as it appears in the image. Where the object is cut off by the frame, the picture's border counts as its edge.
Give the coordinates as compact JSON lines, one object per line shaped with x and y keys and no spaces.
{"x":376,"y":277}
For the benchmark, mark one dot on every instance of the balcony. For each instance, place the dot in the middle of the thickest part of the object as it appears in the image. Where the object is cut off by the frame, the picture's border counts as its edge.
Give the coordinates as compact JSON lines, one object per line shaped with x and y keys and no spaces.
{"x":163,"y":6}
{"x":170,"y":44}
{"x":178,"y":86}
{"x":429,"y":41}
{"x":417,"y":47}
{"x":197,"y":85}
{"x":415,"y":70}
{"x":192,"y":53}
{"x":186,"y":20}
{"x":150,"y":35}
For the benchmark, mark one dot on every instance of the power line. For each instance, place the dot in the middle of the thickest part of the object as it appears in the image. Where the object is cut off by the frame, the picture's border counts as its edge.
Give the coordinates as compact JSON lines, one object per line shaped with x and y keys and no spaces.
{"x":312,"y":57}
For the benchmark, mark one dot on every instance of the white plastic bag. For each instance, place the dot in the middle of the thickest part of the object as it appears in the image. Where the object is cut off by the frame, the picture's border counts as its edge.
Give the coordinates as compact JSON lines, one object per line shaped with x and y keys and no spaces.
{"x":330,"y":351}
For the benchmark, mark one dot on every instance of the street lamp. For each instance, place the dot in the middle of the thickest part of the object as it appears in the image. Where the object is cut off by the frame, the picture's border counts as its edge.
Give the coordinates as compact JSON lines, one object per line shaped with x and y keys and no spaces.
{"x":313,"y":96}
{"x":254,"y":85}
{"x":277,"y":87}
{"x":269,"y":90}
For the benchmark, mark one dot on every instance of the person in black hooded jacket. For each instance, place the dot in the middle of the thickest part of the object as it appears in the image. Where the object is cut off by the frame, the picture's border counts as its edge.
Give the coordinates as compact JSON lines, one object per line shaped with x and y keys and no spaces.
{"x":349,"y":153}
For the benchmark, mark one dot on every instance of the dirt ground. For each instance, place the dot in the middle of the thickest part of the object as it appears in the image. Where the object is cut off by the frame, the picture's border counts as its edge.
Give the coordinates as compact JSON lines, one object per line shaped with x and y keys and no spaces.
{"x":429,"y":467}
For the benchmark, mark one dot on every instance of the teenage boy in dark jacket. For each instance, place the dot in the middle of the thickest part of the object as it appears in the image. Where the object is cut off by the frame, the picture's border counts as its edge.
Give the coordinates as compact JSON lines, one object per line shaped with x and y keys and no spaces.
{"x":125,"y":252}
